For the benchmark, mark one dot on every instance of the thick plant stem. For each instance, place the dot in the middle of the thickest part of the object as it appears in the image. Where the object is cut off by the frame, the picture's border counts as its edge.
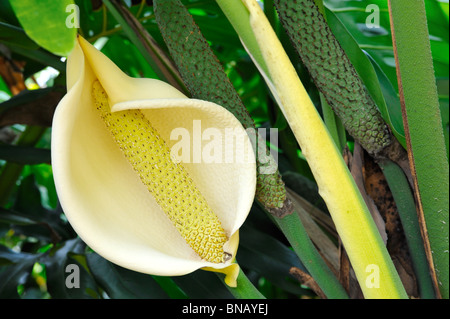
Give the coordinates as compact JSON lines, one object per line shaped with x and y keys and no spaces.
{"x":404,"y":199}
{"x":293,"y":229}
{"x":423,"y":130}
{"x":333,"y":73}
{"x":245,"y":289}
{"x":369,"y":257}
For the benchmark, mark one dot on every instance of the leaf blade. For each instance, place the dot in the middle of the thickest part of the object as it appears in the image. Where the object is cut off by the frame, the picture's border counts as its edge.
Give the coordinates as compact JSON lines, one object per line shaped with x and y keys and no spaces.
{"x":45,"y":23}
{"x":424,"y":133}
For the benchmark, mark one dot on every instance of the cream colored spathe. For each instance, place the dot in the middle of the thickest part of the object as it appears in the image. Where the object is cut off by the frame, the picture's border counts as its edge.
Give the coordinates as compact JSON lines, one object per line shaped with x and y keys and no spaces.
{"x":103,"y":197}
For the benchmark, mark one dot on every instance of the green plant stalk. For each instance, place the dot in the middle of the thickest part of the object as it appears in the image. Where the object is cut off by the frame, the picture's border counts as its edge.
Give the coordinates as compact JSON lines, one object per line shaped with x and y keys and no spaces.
{"x":245,"y":289}
{"x":333,"y":73}
{"x":293,"y":229}
{"x":423,"y":129}
{"x":351,"y":216}
{"x":406,"y":206}
{"x":11,"y":171}
{"x":334,"y":124}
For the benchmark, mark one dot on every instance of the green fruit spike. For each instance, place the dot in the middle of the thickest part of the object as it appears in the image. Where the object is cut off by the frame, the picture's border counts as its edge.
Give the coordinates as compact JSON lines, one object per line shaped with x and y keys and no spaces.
{"x":206,"y":80}
{"x":333,"y":73}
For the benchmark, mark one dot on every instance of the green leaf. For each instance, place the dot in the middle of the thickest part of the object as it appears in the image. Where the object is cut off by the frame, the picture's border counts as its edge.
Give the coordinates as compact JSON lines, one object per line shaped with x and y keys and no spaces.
{"x":15,"y":36}
{"x":121,"y":283}
{"x":13,"y":275}
{"x":49,"y":226}
{"x":5,"y":93}
{"x":146,"y":45}
{"x":391,"y":110}
{"x":43,"y":175}
{"x":10,"y":217}
{"x":23,"y":98}
{"x":56,"y":268}
{"x":24,"y":154}
{"x":270,"y":258}
{"x":424,"y":133}
{"x":11,"y":171}
{"x":49,"y":23}
{"x":213,"y":23}
{"x":203,"y":284}
{"x":25,"y":49}
{"x":377,"y":42}
{"x":170,"y":287}
{"x":404,"y":199}
{"x":8,"y":256}
{"x":7,"y":14}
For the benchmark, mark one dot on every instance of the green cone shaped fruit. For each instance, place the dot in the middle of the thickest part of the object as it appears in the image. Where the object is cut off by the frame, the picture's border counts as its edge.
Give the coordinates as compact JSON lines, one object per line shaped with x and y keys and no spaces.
{"x":333,"y":73}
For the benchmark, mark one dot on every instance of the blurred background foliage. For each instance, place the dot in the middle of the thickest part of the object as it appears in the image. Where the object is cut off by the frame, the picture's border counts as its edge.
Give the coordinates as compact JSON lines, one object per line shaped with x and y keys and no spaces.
{"x":36,"y":241}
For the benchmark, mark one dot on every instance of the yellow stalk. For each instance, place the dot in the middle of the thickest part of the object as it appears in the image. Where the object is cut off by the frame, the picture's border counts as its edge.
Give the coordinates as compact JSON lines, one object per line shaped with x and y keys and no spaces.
{"x":368,"y":255}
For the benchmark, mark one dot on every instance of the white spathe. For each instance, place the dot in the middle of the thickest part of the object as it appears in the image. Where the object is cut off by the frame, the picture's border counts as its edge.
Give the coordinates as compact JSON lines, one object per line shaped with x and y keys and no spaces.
{"x":103,"y":197}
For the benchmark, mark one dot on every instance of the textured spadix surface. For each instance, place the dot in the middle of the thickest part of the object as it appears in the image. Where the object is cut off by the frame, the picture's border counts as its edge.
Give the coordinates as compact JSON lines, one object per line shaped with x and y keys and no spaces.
{"x":102,"y":193}
{"x":333,"y":73}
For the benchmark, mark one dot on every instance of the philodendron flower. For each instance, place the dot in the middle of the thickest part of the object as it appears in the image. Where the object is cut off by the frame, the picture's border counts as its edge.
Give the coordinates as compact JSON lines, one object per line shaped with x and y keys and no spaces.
{"x":120,"y":184}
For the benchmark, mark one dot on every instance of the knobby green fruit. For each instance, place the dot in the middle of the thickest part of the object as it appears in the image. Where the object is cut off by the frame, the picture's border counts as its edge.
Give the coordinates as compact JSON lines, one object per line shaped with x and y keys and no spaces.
{"x":333,"y":73}
{"x":205,"y":78}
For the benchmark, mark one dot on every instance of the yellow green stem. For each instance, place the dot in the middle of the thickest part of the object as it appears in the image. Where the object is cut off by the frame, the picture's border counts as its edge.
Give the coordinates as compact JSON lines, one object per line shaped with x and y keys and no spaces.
{"x":368,"y":255}
{"x":244,"y":288}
